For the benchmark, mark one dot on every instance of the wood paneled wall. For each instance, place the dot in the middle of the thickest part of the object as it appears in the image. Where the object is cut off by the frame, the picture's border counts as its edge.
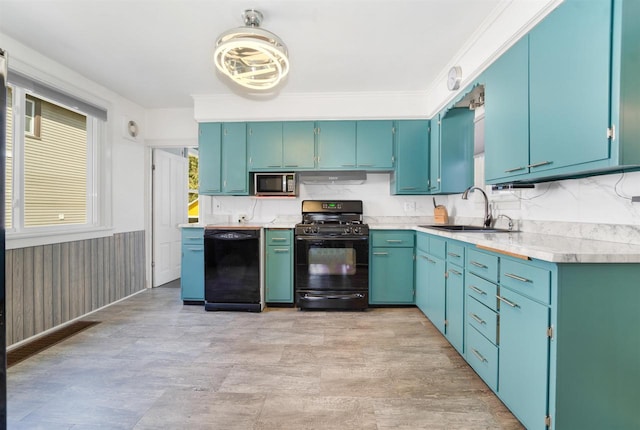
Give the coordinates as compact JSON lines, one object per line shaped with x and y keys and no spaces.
{"x":50,"y":285}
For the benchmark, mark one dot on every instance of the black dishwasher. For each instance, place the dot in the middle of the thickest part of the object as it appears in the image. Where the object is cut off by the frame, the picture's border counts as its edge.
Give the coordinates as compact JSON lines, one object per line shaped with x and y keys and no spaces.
{"x":232,"y":269}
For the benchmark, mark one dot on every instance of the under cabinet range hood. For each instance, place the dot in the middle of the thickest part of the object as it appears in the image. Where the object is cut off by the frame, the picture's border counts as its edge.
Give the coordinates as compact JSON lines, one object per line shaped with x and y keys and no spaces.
{"x":333,"y":177}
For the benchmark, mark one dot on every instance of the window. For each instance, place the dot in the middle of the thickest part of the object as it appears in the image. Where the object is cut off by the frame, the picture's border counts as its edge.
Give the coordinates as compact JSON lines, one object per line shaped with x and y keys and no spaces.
{"x":51,"y":171}
{"x":194,"y":201}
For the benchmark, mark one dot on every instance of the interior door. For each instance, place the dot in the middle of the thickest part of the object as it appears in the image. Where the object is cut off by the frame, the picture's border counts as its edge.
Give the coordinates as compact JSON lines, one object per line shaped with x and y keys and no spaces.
{"x":170,"y":194}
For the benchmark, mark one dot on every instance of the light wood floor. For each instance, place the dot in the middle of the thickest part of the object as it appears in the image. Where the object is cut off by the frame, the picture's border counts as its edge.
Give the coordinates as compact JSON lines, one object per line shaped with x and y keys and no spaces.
{"x":153,"y":363}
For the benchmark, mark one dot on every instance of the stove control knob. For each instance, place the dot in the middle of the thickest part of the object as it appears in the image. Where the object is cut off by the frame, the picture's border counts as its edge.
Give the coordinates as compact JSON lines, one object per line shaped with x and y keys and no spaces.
{"x":357,"y":230}
{"x":347,"y":230}
{"x":315,"y":229}
{"x":307,"y":230}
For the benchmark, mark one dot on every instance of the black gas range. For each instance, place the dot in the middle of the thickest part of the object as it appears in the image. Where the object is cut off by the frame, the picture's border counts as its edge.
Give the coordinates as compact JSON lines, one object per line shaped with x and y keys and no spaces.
{"x":332,"y":256}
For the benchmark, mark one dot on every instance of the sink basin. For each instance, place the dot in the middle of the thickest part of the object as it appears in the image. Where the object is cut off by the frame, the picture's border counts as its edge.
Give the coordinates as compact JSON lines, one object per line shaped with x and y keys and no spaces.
{"x":467,"y":228}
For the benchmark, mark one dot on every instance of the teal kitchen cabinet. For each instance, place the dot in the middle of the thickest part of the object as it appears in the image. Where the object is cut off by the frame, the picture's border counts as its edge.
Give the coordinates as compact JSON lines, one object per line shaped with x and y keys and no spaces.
{"x":336,"y":144}
{"x":192,"y":266}
{"x":457,"y":127}
{"x":436,"y":283}
{"x":210,"y":157}
{"x":299,"y":142}
{"x":422,"y":271}
{"x":454,"y":295}
{"x":507,"y":115}
{"x":391,"y":267}
{"x":279,"y":266}
{"x":222,"y":149}
{"x":411,"y":152}
{"x":434,"y":155}
{"x":374,"y":145}
{"x":264,"y":145}
{"x":235,"y":178}
{"x":564,"y":129}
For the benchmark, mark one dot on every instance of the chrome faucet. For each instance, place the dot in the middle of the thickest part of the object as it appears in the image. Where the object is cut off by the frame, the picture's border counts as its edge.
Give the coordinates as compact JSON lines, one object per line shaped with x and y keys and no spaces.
{"x":487,"y":215}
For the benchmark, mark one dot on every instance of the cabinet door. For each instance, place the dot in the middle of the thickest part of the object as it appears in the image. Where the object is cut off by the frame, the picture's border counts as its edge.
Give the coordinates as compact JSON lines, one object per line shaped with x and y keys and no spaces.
{"x":192,"y":273}
{"x":336,"y":144}
{"x":454,"y":310}
{"x":234,"y":159}
{"x":506,"y":119}
{"x":411,"y":174}
{"x":374,"y":144}
{"x":434,"y":155}
{"x":209,"y":150}
{"x":264,"y":145}
{"x":570,"y":54}
{"x":299,"y":144}
{"x":524,"y":355}
{"x":391,"y":276}
{"x":457,"y":130}
{"x":422,"y":281}
{"x":279,"y":274}
{"x":436,"y":292}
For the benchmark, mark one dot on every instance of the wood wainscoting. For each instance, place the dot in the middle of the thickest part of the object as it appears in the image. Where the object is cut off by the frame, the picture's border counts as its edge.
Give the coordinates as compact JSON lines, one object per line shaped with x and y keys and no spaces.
{"x":50,"y":285}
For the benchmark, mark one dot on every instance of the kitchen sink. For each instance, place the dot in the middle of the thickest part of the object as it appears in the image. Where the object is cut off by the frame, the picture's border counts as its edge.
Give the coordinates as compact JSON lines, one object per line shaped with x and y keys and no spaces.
{"x":467,"y":228}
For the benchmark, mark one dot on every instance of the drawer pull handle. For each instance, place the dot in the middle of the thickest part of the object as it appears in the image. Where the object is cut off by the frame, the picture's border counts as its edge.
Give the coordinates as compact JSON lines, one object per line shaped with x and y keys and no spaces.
{"x":477,"y":290}
{"x":510,"y":303}
{"x":451,"y":254}
{"x":455,"y":272}
{"x":422,"y":256}
{"x":281,"y":250}
{"x":394,"y":240}
{"x":480,"y":357}
{"x":431,"y":261}
{"x":380,"y":253}
{"x":480,"y":265}
{"x":477,"y":318}
{"x":517,"y":278}
{"x":278,"y":239}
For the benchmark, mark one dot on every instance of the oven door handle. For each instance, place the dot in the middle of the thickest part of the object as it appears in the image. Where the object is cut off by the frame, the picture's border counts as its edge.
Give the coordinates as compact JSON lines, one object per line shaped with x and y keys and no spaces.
{"x":351,"y":238}
{"x":333,"y":296}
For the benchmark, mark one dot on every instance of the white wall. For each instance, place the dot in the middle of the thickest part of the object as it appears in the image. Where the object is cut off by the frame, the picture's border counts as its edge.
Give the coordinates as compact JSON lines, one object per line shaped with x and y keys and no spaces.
{"x":124,"y":188}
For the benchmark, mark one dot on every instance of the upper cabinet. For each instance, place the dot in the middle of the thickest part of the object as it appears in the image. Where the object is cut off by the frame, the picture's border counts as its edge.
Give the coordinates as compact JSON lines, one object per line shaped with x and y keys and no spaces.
{"x":434,"y":155}
{"x":264,"y":145}
{"x":562,"y":102}
{"x":299,"y":144}
{"x":374,"y":145}
{"x":506,"y":131}
{"x":336,"y":144}
{"x":222,"y":151}
{"x":411,"y":146}
{"x":457,"y":130}
{"x":569,"y":78}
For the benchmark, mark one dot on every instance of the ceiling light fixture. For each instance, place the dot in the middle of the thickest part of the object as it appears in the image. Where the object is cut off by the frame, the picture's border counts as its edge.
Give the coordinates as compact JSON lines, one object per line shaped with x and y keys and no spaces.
{"x":250,"y":56}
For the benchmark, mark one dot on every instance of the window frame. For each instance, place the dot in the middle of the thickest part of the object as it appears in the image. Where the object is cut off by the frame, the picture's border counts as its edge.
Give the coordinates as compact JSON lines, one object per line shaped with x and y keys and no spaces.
{"x":96,"y":191}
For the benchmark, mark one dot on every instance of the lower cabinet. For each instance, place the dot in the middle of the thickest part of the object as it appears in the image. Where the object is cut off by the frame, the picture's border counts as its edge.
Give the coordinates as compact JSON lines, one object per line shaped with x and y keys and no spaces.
{"x":554,"y":341}
{"x":279,"y":266}
{"x":192,"y":266}
{"x":391,"y":272}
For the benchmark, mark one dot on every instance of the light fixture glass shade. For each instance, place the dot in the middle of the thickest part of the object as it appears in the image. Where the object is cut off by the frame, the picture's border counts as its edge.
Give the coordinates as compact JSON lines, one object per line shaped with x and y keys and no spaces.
{"x":250,"y":56}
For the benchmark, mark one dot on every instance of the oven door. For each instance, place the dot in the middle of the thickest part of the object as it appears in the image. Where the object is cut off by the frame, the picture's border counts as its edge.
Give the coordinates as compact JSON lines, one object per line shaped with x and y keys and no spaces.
{"x":332,"y":272}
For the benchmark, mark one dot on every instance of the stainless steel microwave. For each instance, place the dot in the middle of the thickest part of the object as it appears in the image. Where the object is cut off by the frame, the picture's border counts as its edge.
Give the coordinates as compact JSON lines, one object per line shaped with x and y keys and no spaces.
{"x":275,"y":184}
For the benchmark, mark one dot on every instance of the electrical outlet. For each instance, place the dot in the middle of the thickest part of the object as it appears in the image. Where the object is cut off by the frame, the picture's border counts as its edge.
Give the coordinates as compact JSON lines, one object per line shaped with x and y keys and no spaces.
{"x":635,"y":199}
{"x":242,"y":218}
{"x":409,"y":206}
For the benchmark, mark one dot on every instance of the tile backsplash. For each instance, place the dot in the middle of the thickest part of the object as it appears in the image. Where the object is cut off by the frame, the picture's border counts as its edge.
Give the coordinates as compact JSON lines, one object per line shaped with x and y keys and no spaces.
{"x":597,"y":207}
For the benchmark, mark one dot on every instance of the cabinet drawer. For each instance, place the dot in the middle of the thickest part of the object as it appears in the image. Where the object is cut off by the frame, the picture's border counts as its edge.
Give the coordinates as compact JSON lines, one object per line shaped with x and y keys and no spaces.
{"x":482,"y":264}
{"x":191,"y":235}
{"x":422,"y":242}
{"x":438,"y":247}
{"x":528,"y":280}
{"x":483,"y":319}
{"x":482,"y":355}
{"x":482,"y":290}
{"x":279,"y":236}
{"x":392,"y":238}
{"x":455,"y":253}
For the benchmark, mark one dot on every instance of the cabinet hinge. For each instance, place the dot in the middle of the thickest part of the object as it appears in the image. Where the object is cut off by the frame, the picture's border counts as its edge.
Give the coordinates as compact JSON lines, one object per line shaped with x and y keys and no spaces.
{"x":550,"y":332}
{"x":153,"y":167}
{"x":547,"y":421}
{"x":153,"y":264}
{"x":446,"y":322}
{"x":446,"y":274}
{"x":611,"y":132}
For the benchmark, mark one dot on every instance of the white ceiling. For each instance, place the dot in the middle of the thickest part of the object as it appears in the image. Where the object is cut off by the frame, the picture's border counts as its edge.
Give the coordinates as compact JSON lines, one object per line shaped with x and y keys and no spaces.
{"x":158,"y":53}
